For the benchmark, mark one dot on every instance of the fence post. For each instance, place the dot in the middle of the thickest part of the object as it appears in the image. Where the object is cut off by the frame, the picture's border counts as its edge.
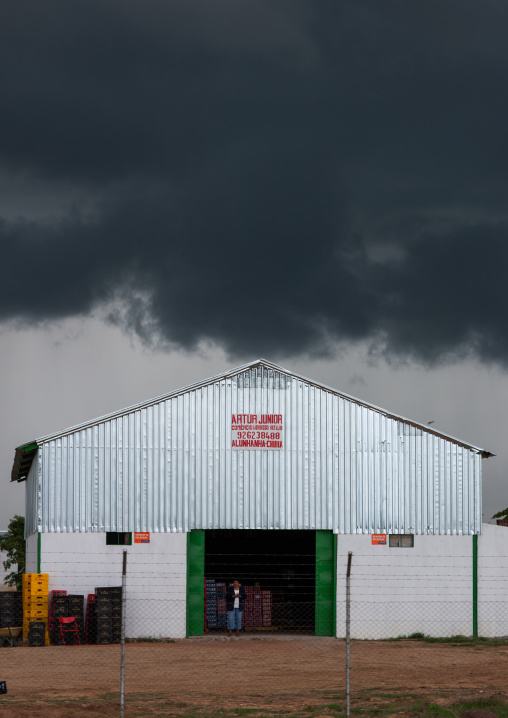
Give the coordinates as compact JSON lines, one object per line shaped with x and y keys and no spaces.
{"x":348,"y":631}
{"x":122,"y":640}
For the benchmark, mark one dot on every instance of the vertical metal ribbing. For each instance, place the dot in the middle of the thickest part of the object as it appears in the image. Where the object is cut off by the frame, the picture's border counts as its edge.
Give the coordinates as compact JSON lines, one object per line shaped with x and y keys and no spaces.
{"x":343,"y":470}
{"x":344,"y":467}
{"x":149,"y":450}
{"x":475,"y":586}
{"x":186,"y":475}
{"x":97,"y":454}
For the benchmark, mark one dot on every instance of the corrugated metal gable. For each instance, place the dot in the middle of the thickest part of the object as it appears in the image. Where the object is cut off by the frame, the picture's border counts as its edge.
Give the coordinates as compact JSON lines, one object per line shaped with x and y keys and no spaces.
{"x":345,"y":466}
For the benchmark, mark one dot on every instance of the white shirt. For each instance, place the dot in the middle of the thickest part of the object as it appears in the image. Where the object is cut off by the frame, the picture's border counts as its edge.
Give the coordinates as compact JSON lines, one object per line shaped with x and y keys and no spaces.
{"x":237,"y":600}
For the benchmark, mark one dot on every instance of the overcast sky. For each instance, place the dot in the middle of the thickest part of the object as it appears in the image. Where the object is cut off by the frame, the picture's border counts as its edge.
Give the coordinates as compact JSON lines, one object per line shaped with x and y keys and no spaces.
{"x":186,"y":185}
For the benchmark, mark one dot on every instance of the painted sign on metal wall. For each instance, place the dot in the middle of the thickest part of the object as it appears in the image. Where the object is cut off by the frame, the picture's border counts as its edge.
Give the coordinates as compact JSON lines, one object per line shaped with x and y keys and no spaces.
{"x":257,"y":431}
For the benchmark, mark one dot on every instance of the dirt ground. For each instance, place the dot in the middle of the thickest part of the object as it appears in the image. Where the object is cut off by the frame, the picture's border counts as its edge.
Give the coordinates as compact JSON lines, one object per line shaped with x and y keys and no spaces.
{"x":261,"y":673}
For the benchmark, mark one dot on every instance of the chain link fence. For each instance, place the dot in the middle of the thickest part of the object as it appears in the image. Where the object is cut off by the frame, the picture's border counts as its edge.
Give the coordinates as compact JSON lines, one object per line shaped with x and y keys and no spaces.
{"x":129,"y":653}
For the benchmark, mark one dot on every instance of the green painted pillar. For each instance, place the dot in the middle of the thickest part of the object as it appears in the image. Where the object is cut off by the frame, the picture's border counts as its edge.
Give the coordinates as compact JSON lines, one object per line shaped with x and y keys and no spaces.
{"x":326,"y":583}
{"x":195,"y":583}
{"x":475,"y":586}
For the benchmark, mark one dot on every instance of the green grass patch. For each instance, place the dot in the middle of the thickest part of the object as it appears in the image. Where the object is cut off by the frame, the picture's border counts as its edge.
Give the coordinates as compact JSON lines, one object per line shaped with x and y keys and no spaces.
{"x":377,"y":703}
{"x":381,"y":703}
{"x":495,"y":705}
{"x":453,"y":640}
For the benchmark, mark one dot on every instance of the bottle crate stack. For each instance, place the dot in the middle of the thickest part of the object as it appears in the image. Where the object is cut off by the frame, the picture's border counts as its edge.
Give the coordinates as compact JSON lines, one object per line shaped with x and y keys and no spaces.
{"x":77,"y":609}
{"x":11,"y":609}
{"x":211,"y":603}
{"x":91,"y":619}
{"x":63,"y":606}
{"x":253,"y":611}
{"x":222,"y":614}
{"x":59,"y":609}
{"x":35,"y":603}
{"x":108,"y":609}
{"x":266,"y":600}
{"x":37,"y":633}
{"x":51,"y":624}
{"x":258,"y":607}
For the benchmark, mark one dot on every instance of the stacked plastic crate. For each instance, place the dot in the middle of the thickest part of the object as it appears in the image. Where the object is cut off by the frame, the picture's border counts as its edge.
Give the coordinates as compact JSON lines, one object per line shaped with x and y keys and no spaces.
{"x":257,"y":607}
{"x":52,"y":626}
{"x":266,"y":599}
{"x":222,"y":613}
{"x":37,"y":633}
{"x":247,"y":609}
{"x":77,"y":610}
{"x":35,"y":603}
{"x":211,"y":603}
{"x":11,"y":609}
{"x":91,"y":619}
{"x":59,"y":609}
{"x":116,"y":615}
{"x":108,"y":603}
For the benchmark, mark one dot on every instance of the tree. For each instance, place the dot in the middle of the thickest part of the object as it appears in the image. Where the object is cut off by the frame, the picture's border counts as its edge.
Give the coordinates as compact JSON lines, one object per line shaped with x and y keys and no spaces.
{"x":501,"y":514}
{"x":13,"y":542}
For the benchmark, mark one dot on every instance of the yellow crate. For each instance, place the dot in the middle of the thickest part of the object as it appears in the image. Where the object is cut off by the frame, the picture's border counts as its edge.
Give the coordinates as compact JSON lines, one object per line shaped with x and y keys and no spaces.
{"x":33,"y":600}
{"x":37,"y":591}
{"x":35,"y":577}
{"x":39,"y":606}
{"x":36,"y":587}
{"x":33,"y":580}
{"x":28,"y":620}
{"x":38,"y":598}
{"x":36,"y":614}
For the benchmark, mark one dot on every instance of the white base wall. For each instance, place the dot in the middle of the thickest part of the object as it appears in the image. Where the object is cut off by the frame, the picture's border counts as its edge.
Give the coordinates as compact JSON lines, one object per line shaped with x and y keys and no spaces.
{"x":399,"y":591}
{"x":156,"y":576}
{"x":31,"y":554}
{"x":394,"y":591}
{"x":493,"y":581}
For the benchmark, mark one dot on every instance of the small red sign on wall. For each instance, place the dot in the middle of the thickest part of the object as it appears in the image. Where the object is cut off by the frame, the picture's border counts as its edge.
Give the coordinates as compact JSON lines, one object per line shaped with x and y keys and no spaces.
{"x":378,"y":539}
{"x":141,"y":537}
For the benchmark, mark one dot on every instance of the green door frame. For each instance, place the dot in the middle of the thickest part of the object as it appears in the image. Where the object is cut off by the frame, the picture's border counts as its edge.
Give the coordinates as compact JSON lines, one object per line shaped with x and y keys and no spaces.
{"x":326,"y":584}
{"x":195,"y":615}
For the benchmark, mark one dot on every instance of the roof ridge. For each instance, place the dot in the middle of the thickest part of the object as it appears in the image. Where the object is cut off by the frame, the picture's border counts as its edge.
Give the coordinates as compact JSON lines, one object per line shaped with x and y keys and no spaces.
{"x":234,"y":372}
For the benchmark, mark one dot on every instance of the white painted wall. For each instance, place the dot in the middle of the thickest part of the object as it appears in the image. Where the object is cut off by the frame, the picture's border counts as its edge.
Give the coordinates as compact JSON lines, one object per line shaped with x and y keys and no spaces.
{"x":394,"y":591}
{"x":399,"y":591}
{"x":493,"y":581}
{"x":31,"y":554}
{"x":156,"y":576}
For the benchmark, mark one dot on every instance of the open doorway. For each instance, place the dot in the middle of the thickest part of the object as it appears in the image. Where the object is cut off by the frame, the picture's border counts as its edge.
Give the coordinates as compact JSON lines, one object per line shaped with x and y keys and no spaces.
{"x":277,"y":569}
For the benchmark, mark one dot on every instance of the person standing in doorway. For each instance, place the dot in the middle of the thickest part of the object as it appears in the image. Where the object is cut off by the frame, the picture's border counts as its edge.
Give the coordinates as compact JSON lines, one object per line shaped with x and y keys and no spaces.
{"x":235,"y":600}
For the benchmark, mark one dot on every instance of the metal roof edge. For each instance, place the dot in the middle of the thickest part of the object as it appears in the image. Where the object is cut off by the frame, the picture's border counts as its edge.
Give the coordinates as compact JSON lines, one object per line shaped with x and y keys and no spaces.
{"x":380,"y":410}
{"x":23,"y":458}
{"x":239,"y":370}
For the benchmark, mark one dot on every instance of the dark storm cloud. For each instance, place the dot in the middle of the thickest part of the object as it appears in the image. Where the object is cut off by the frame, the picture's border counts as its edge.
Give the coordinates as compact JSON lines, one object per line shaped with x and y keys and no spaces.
{"x":271,"y":176}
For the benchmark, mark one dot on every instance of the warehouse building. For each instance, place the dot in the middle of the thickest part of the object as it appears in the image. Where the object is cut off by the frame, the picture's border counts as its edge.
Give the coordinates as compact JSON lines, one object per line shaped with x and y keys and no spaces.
{"x":262,"y":475}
